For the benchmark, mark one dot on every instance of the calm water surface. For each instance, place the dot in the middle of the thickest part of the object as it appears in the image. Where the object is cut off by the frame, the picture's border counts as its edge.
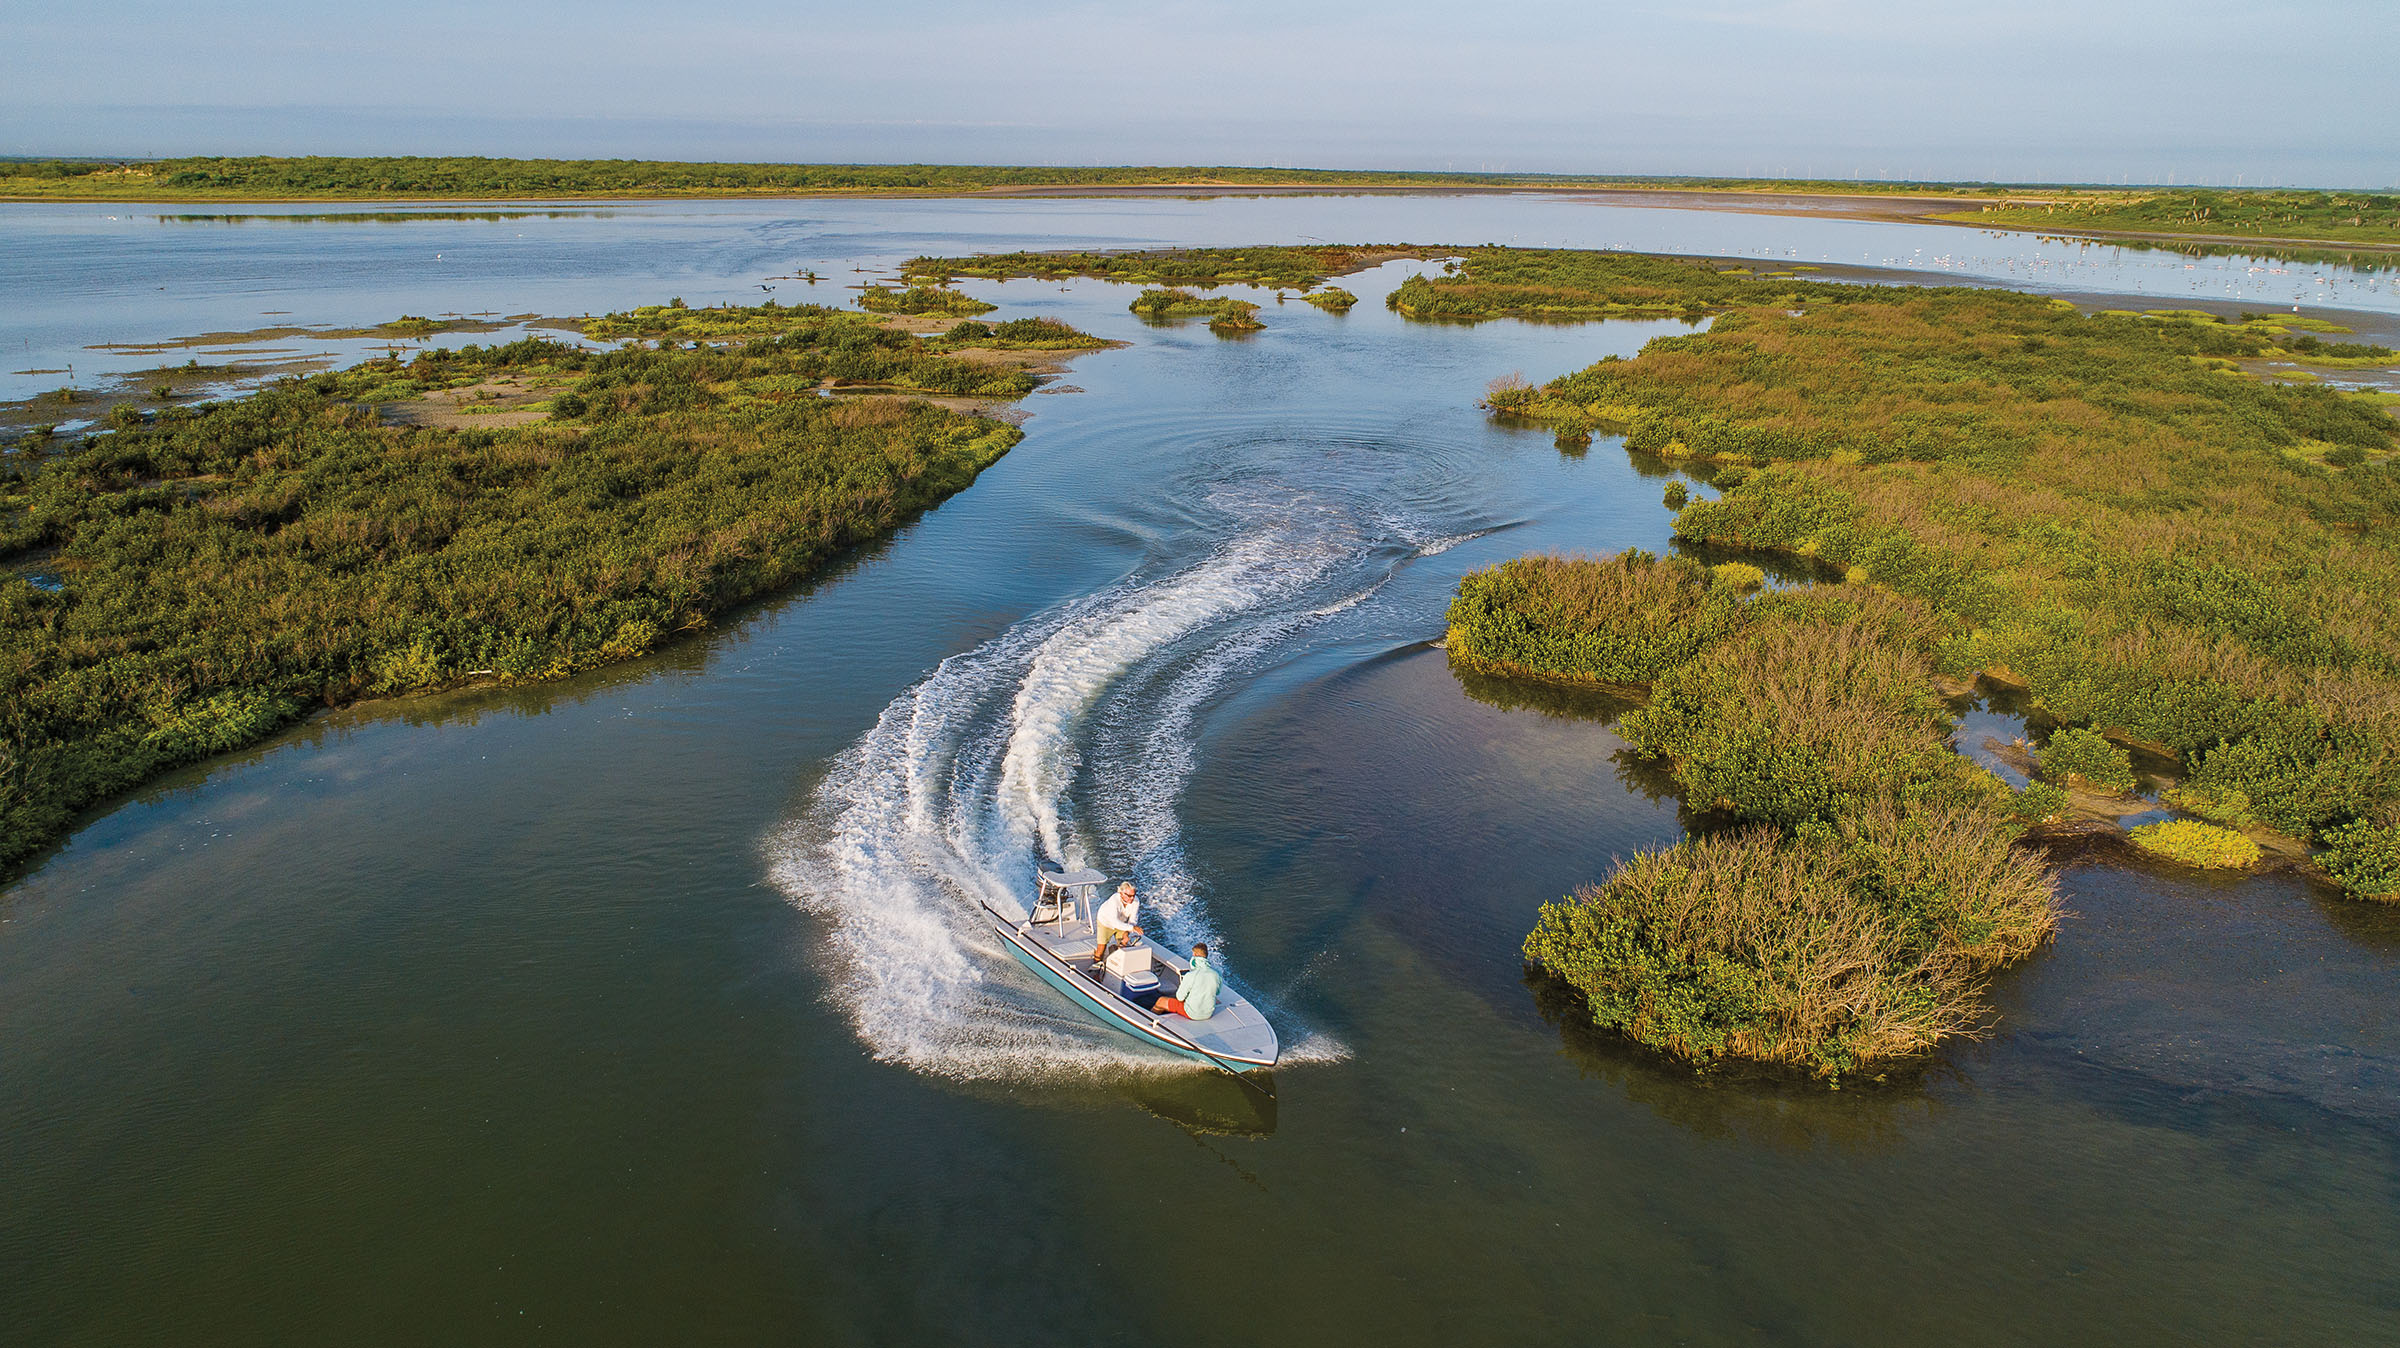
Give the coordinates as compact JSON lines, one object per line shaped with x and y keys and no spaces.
{"x":645,"y":1008}
{"x":77,"y":276}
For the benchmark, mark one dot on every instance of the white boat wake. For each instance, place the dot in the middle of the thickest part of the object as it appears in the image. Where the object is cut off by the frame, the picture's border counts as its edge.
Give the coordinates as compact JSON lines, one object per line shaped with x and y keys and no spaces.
{"x":945,"y":802}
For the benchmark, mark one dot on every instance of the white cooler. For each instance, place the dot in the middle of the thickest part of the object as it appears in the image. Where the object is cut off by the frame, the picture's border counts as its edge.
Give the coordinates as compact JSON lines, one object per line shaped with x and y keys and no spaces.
{"x":1132,"y":967}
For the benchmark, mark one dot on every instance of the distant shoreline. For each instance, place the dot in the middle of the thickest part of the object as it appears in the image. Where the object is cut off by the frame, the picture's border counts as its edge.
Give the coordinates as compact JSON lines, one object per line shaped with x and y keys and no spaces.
{"x":1884,"y":207}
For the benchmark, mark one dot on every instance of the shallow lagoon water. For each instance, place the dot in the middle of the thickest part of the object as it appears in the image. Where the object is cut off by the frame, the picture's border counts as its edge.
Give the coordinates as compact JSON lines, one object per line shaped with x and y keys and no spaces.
{"x":545,"y":1013}
{"x":78,"y":276}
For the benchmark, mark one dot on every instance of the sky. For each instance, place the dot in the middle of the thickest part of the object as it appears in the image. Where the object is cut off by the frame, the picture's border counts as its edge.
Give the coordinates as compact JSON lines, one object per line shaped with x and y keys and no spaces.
{"x":2196,"y":91}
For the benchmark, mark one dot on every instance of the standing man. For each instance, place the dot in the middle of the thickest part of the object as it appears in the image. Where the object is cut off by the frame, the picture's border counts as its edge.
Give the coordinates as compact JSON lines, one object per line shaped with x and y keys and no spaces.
{"x":1119,"y":921}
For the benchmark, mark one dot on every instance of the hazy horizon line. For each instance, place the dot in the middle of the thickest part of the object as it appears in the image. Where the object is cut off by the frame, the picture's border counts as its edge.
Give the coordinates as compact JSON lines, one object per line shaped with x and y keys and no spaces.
{"x":2121,"y":184}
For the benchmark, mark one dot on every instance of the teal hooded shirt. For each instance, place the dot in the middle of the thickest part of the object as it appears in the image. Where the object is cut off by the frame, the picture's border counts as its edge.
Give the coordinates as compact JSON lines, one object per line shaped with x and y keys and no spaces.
{"x":1198,"y":990}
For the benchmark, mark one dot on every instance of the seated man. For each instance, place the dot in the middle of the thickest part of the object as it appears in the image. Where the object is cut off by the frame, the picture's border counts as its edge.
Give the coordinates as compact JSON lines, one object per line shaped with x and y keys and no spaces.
{"x":1196,"y":996}
{"x":1118,"y":921}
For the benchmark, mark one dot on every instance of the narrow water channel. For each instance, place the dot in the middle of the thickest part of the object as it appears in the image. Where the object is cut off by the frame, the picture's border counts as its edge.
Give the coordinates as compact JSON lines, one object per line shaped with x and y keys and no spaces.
{"x":646,"y":1007}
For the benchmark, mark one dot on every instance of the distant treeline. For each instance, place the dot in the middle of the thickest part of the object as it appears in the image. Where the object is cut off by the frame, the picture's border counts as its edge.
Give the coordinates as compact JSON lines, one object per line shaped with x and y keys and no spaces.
{"x":198,"y":576}
{"x":2345,"y":217}
{"x":2331,"y":216}
{"x":270,"y":177}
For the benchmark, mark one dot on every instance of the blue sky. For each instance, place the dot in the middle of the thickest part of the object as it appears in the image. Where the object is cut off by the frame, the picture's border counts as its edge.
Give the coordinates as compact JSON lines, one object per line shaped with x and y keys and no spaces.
{"x":2192,"y":91}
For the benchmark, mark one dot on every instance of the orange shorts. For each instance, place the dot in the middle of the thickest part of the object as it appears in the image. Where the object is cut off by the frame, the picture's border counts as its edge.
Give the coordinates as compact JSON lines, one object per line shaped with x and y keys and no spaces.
{"x":1174,"y":1004}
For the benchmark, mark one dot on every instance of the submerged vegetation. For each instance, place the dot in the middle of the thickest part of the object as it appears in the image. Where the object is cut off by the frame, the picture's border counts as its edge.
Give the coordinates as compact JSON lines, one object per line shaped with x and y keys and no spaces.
{"x":218,"y":569}
{"x":2106,"y":510}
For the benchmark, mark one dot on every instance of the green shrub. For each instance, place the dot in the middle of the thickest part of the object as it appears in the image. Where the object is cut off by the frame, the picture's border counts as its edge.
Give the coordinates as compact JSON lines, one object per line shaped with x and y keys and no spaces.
{"x":1623,"y":619}
{"x":2038,"y":803}
{"x":1855,"y":927}
{"x":1279,"y":266}
{"x":1676,"y":495}
{"x":1738,"y":575}
{"x":1793,"y":721}
{"x":2301,"y":773}
{"x":2217,"y":805}
{"x":2197,"y":844}
{"x":1332,"y":299}
{"x":920,"y":300}
{"x":2364,"y":857}
{"x":1829,"y":951}
{"x":1035,"y":334}
{"x":2078,"y":755}
{"x":1231,"y":315}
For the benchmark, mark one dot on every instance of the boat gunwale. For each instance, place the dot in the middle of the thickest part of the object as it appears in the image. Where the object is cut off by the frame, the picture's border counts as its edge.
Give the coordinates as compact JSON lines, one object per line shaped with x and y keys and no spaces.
{"x":1122,"y":1012}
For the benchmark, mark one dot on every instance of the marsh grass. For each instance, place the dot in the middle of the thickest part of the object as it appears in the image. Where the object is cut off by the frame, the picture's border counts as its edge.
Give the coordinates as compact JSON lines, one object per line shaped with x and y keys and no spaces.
{"x":1625,"y":619}
{"x":2077,"y":755}
{"x":1268,"y":266}
{"x":2193,"y":843}
{"x":2364,"y":856}
{"x":1170,"y":303}
{"x":2345,"y":217}
{"x":2180,"y":558}
{"x":1852,"y":947}
{"x":1574,"y":285}
{"x":921,"y":299}
{"x":1852,"y":921}
{"x":222,"y":568}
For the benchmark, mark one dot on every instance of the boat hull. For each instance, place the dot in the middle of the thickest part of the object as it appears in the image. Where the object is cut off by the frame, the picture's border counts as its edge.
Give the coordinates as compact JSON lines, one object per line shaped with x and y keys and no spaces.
{"x":1107,"y":1007}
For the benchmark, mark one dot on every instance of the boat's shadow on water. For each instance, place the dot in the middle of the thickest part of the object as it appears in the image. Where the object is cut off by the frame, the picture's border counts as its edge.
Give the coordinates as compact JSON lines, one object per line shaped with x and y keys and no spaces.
{"x":1208,"y":1102}
{"x":1201,"y":1101}
{"x":1754,"y":1105}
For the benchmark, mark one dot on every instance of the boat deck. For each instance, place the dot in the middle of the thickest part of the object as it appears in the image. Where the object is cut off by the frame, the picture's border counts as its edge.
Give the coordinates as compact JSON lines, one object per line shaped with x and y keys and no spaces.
{"x":1237,"y":1030}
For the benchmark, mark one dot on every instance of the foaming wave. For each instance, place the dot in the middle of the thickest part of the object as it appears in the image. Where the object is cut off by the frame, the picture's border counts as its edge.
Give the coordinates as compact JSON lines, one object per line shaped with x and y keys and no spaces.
{"x":1437,"y":546}
{"x":942,"y":807}
{"x":1314,"y":1048}
{"x":1075,"y":664}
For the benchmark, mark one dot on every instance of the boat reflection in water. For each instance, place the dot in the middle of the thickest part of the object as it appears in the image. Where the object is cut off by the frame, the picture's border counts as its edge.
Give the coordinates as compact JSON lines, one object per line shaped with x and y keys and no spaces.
{"x":1208,"y":1102}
